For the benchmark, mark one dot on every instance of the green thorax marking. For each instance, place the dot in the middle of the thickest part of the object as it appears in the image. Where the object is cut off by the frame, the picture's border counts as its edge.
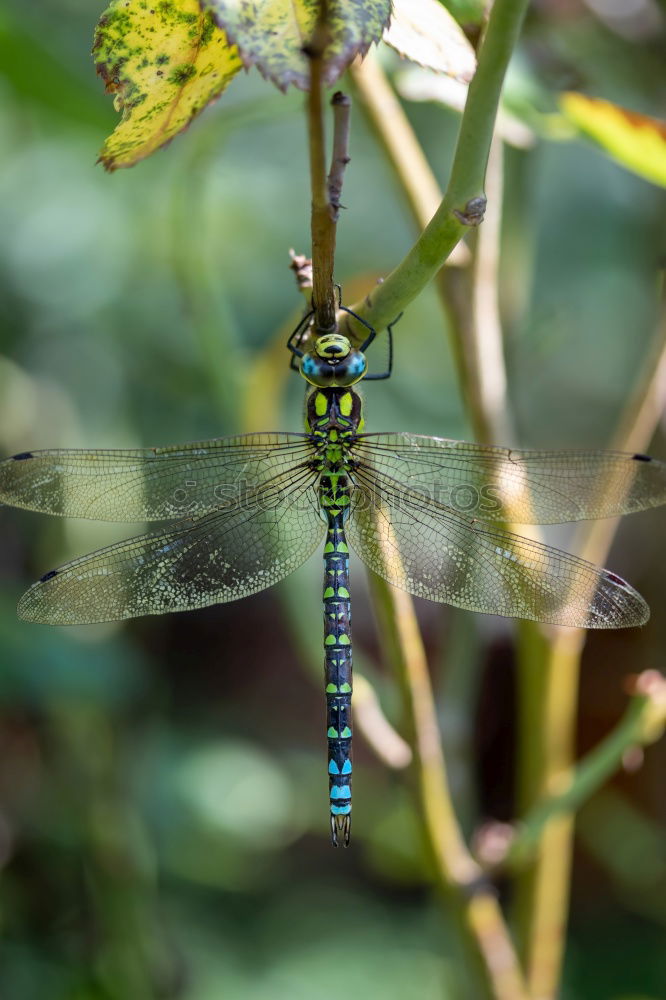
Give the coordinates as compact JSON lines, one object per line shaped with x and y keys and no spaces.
{"x":333,"y":416}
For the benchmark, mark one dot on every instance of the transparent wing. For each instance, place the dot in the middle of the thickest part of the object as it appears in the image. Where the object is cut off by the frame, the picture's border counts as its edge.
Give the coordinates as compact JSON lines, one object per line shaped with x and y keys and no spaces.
{"x":527,"y":487}
{"x":436,"y":553}
{"x":222,"y":556}
{"x":149,"y":484}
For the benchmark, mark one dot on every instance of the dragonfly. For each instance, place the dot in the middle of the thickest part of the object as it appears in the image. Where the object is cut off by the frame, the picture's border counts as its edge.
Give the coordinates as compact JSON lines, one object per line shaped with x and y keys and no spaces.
{"x":430,"y":515}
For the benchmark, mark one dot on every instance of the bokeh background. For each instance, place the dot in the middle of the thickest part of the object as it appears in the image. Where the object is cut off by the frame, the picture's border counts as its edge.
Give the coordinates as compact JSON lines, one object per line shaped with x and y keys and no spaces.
{"x":163,"y":818}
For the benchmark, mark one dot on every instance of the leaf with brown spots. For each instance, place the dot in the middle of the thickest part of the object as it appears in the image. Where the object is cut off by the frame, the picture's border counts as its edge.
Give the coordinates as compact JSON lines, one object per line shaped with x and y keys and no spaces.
{"x":164,"y":61}
{"x":636,"y":141}
{"x":270,"y":34}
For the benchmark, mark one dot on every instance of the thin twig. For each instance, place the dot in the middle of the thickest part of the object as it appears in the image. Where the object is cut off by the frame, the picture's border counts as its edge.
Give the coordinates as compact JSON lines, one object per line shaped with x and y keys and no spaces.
{"x":322,"y":221}
{"x":473,"y":298}
{"x":341,"y":104}
{"x":642,"y":723}
{"x":387,"y":744}
{"x":486,"y":340}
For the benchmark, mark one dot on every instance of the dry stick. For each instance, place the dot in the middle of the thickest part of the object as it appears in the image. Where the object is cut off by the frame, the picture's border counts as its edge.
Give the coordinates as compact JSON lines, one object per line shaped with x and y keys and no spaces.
{"x":322,"y":220}
{"x":542,"y":892}
{"x":341,"y":105}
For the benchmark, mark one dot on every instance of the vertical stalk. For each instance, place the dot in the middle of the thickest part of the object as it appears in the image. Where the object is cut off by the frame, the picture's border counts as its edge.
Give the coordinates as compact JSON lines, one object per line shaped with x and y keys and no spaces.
{"x":549,"y":669}
{"x":322,"y":217}
{"x":458,"y":875}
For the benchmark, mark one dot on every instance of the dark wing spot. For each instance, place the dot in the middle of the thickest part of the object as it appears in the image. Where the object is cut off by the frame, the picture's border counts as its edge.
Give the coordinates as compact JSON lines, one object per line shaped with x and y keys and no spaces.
{"x":641,"y":458}
{"x":48,"y":576}
{"x":616,"y":579}
{"x":22,"y":455}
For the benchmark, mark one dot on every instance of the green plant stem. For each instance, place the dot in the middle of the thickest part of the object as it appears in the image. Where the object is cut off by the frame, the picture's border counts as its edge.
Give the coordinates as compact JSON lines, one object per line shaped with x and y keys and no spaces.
{"x":481,"y":917}
{"x":486,"y":342}
{"x":642,"y":723}
{"x":549,"y":670}
{"x":458,"y":680}
{"x":447,"y":227}
{"x":458,"y":874}
{"x":422,"y":195}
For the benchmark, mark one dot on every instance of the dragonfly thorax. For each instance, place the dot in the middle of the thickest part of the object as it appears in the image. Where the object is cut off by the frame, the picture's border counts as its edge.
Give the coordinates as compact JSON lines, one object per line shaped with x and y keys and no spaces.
{"x":333,"y":362}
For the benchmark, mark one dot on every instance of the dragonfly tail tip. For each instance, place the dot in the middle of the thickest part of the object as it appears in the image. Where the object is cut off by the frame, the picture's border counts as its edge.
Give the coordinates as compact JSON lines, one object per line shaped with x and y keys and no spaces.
{"x":341,"y":830}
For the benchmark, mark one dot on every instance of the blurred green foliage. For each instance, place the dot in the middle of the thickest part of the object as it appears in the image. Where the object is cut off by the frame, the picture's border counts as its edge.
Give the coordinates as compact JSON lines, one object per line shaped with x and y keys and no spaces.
{"x":162,"y":792}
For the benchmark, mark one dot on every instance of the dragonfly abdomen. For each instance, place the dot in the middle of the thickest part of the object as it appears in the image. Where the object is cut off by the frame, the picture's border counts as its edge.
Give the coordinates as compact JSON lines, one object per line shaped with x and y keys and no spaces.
{"x":338,"y":676}
{"x":333,"y":418}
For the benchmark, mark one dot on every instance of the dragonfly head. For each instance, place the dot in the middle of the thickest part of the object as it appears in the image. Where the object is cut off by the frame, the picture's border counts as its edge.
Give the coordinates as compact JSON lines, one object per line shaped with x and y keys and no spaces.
{"x":333,"y":362}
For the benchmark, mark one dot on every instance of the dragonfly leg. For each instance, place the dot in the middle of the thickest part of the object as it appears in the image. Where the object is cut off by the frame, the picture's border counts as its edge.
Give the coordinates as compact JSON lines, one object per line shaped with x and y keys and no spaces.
{"x":377,"y":376}
{"x":295,"y":339}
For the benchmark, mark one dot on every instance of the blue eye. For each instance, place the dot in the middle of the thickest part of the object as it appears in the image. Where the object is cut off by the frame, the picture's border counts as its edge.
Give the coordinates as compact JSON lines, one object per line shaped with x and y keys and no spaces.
{"x":323,"y":372}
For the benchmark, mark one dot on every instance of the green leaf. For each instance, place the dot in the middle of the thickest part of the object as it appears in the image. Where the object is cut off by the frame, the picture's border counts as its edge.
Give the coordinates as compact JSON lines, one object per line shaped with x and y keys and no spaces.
{"x":634,"y":140}
{"x":424,"y":32}
{"x":270,"y":34}
{"x":165,"y":62}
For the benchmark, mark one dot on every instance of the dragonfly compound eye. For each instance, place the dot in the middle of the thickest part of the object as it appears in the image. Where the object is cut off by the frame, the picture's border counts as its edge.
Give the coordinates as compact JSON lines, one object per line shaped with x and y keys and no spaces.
{"x":335,"y":372}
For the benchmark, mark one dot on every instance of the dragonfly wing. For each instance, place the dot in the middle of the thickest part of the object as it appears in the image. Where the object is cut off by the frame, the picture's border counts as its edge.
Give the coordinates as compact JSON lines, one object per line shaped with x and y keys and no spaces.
{"x":435,"y":553}
{"x":222,"y":556}
{"x":526,"y":487}
{"x":148,"y":484}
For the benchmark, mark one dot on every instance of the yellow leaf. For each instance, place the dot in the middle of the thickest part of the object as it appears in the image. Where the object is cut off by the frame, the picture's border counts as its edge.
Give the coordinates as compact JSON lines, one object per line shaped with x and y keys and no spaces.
{"x":270,"y":34}
{"x":634,"y":140}
{"x":424,"y":32}
{"x":164,"y":61}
